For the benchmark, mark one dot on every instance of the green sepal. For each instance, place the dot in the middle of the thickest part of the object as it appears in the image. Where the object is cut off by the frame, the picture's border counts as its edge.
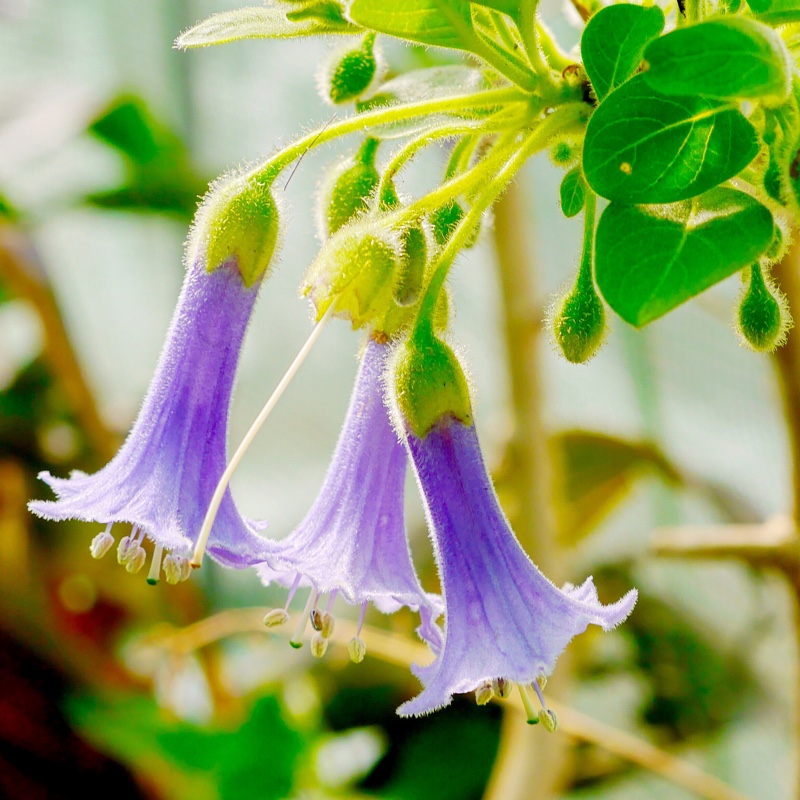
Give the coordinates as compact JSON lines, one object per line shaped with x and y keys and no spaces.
{"x":762,"y":317}
{"x":348,"y":188}
{"x":239,"y":221}
{"x":430,"y":384}
{"x":356,"y":269}
{"x":352,"y":73}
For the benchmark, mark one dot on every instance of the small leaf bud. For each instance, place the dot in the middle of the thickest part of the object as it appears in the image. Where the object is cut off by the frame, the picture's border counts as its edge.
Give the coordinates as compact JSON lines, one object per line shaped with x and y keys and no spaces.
{"x":430,"y":384}
{"x":238,"y":223}
{"x":763,"y":316}
{"x":579,"y":322}
{"x":346,"y":191}
{"x":355,"y":269}
{"x":351,"y":73}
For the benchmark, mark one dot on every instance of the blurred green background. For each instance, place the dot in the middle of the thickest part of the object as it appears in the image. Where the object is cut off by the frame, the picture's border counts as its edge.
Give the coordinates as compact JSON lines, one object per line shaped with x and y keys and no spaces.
{"x":107,"y":138}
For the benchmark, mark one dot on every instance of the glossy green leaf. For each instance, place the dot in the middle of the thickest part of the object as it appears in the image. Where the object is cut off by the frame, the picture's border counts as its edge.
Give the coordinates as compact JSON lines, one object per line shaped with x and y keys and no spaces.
{"x":776,"y":12}
{"x":572,"y":192}
{"x":613,"y":42}
{"x":270,"y":21}
{"x":648,"y":260}
{"x":731,"y":57}
{"x":645,"y":147}
{"x":443,"y":23}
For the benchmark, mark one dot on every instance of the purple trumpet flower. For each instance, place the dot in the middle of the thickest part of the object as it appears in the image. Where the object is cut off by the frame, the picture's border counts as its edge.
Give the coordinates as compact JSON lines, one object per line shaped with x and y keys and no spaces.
{"x":505,"y":622}
{"x":163,"y":476}
{"x":352,"y":542}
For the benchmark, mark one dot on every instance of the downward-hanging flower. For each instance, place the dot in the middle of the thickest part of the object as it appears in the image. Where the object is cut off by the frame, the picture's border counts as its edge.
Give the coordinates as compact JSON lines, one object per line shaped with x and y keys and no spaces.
{"x":163,"y":476}
{"x":505,"y":622}
{"x":352,"y":542}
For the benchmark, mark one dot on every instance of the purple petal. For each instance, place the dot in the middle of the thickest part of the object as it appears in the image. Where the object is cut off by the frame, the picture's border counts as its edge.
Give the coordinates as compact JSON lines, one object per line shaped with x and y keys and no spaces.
{"x":353,"y":538}
{"x":164,"y":475}
{"x":504,"y":619}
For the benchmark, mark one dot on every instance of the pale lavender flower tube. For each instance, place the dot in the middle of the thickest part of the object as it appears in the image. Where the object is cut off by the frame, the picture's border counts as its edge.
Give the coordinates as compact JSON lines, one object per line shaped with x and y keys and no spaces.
{"x":504,"y":620}
{"x":163,"y":476}
{"x":352,"y":542}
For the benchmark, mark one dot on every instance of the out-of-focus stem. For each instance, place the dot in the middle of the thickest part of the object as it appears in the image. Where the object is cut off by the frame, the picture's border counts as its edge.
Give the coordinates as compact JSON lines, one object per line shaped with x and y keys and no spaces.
{"x":22,"y":273}
{"x":526,"y":768}
{"x":787,"y":273}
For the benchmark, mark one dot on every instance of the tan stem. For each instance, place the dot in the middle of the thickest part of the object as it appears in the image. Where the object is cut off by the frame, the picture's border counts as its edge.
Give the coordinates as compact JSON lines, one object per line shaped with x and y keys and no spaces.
{"x":526,"y":773}
{"x":394,"y":648}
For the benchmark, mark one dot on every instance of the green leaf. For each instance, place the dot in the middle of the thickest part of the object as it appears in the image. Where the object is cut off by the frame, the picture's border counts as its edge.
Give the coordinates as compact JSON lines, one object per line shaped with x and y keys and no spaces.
{"x":645,"y":147}
{"x":597,"y":472}
{"x":776,"y":12}
{"x":443,"y":23}
{"x":573,"y":192}
{"x":727,"y":58}
{"x":613,"y":42}
{"x":648,"y":260}
{"x":270,"y":21}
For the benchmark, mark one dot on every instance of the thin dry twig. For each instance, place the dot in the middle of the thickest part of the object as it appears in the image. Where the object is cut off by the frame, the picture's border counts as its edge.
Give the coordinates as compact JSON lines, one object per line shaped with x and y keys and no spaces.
{"x":400,"y":651}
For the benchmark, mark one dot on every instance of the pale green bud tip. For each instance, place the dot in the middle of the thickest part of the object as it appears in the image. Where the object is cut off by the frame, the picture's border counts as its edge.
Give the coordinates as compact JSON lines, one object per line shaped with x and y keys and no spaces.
{"x":356,"y":270}
{"x":579,"y":323}
{"x":276,"y":618}
{"x":240,"y":224}
{"x":430,"y":384}
{"x":357,"y":650}
{"x":352,"y":72}
{"x":763,"y":315}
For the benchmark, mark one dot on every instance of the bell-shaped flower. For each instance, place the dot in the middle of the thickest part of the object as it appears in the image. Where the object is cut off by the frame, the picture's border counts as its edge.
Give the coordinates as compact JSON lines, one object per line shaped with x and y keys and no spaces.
{"x":505,"y":621}
{"x":163,"y":476}
{"x":352,"y":542}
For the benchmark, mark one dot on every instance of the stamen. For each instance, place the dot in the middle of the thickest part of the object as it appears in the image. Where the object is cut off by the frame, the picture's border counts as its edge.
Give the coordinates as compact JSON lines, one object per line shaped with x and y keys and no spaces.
{"x":225,"y":479}
{"x":102,"y":543}
{"x":297,"y":640}
{"x":292,"y":591}
{"x":357,"y":650}
{"x":155,"y":565}
{"x":331,"y":600}
{"x":136,"y":559}
{"x":319,"y":645}
{"x":185,"y":568}
{"x":316,"y":618}
{"x":276,"y":618}
{"x":172,"y":569}
{"x":484,"y":693}
{"x":530,"y":711}
{"x":328,"y":624}
{"x":361,"y":618}
{"x":502,"y":688}
{"x":548,"y":717}
{"x":538,"y":689}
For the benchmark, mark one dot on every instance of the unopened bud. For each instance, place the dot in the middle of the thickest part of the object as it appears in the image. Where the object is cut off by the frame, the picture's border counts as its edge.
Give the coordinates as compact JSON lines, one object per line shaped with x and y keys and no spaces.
{"x":101,"y":544}
{"x":275,"y":618}
{"x":136,"y":559}
{"x":484,"y":694}
{"x":445,"y":220}
{"x":350,"y":74}
{"x":413,"y":260}
{"x":579,"y":323}
{"x":348,"y":187}
{"x":763,"y":316}
{"x":319,"y":644}
{"x":357,"y":649}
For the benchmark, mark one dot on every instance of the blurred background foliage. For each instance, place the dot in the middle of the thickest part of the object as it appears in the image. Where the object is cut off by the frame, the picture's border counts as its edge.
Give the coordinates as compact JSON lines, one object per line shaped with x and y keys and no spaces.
{"x":107,"y":138}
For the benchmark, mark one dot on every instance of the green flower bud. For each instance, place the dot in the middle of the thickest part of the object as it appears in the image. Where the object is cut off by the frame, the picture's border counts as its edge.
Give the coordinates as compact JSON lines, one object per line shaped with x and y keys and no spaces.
{"x":763,"y":316}
{"x":430,"y":384}
{"x":351,"y":73}
{"x":356,"y":269}
{"x":564,"y":152}
{"x":414,"y":259}
{"x":446,"y":219}
{"x":238,"y":222}
{"x":347,"y":190}
{"x":579,"y":321}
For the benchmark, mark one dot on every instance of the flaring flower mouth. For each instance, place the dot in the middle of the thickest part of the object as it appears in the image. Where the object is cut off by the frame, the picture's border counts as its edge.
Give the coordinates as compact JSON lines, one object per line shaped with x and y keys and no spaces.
{"x":164,"y":475}
{"x":352,"y":542}
{"x":505,"y":621}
